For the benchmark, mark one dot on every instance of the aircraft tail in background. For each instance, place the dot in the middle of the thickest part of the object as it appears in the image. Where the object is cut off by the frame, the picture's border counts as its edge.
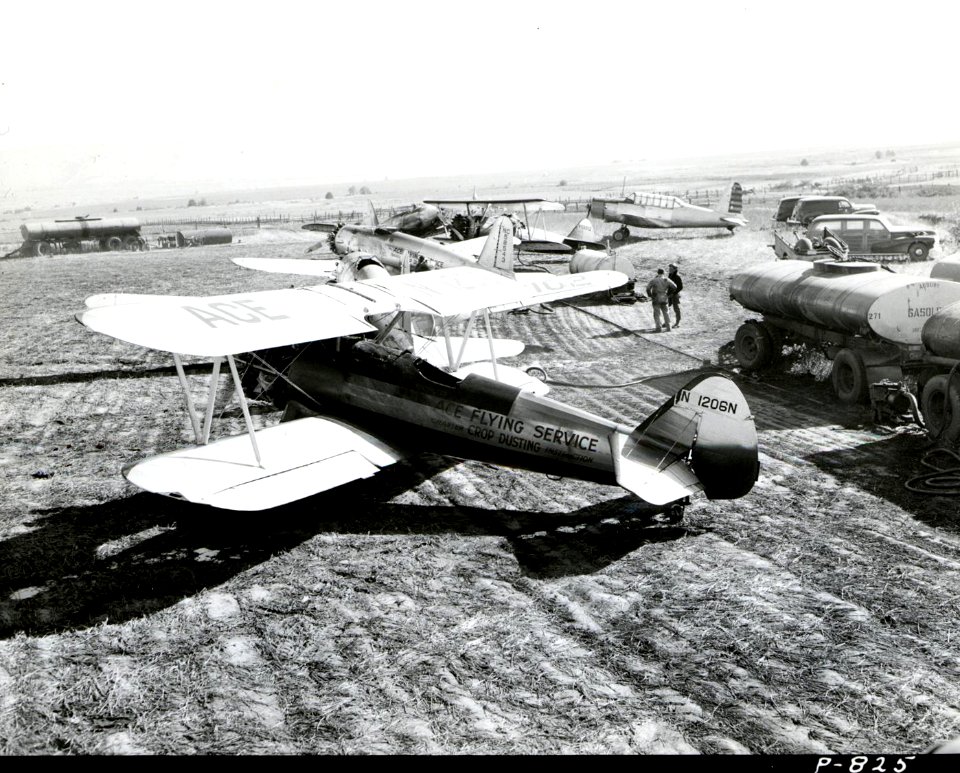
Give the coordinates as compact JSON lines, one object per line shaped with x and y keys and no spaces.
{"x":498,"y":251}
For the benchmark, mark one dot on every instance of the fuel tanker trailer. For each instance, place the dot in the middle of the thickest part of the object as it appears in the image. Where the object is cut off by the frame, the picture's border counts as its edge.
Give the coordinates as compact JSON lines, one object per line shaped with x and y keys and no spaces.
{"x":81,"y":234}
{"x":865,"y":318}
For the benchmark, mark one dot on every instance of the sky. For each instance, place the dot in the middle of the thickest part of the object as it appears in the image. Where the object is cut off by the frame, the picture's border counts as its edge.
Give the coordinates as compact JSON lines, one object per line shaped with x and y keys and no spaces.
{"x":235,"y":94}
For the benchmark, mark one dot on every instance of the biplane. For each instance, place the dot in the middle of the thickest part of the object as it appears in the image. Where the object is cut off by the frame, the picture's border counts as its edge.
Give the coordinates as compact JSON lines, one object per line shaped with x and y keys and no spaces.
{"x":341,"y":361}
{"x":365,"y":250}
{"x":657,"y":210}
{"x":466,"y":219}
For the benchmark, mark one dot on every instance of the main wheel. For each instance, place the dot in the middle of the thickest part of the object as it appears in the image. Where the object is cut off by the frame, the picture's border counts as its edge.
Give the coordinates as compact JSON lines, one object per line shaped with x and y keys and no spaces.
{"x":752,"y":346}
{"x":918,"y":251}
{"x":849,"y":377}
{"x":941,"y":411}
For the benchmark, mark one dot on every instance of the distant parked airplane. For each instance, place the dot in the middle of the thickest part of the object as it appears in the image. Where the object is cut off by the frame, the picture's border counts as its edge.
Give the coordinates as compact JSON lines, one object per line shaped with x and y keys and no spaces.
{"x":657,"y":210}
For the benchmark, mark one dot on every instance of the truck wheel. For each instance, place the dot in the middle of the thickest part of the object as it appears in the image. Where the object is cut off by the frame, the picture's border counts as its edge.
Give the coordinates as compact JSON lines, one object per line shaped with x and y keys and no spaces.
{"x":918,"y":251}
{"x":849,"y":377}
{"x":41,"y":249}
{"x":113,"y":243}
{"x":940,"y":415}
{"x":131,"y":243}
{"x":752,"y":346}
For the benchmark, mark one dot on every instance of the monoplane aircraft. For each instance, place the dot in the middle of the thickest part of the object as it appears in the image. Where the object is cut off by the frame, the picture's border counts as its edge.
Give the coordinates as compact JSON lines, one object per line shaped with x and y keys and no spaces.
{"x":657,"y":210}
{"x":356,"y":398}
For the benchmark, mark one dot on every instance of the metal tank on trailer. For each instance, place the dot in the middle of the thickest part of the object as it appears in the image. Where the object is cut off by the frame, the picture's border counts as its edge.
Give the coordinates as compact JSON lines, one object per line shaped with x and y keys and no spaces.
{"x":868,"y":320}
{"x":45,"y":237}
{"x":204,"y":236}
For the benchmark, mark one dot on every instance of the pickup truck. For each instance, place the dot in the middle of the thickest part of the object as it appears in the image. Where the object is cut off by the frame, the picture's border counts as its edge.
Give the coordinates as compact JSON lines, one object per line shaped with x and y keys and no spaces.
{"x":860,"y":237}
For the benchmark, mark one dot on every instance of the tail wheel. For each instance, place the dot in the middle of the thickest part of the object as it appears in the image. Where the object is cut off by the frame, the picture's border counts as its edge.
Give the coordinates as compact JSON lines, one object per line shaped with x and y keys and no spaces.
{"x":849,"y":377}
{"x":940,"y":407}
{"x":918,"y":251}
{"x":752,"y":346}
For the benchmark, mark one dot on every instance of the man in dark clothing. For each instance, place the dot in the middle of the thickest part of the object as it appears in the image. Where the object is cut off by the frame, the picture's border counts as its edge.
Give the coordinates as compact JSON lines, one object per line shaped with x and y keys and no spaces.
{"x":659,"y":289}
{"x":673,"y":298}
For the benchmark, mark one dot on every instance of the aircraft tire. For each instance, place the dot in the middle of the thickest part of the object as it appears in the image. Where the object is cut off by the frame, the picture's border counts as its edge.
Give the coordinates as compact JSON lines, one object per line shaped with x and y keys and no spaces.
{"x":849,"y":377}
{"x":752,"y":346}
{"x":940,"y":408}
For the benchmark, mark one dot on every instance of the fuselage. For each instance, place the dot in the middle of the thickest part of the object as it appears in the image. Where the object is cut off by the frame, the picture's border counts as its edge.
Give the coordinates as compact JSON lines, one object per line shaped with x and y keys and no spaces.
{"x":398,"y":395}
{"x":397,"y":250}
{"x":658,"y":211}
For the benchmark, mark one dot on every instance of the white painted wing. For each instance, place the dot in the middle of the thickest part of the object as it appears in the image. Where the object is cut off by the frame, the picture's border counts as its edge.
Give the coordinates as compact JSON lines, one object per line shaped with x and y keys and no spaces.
{"x":323,"y":268}
{"x":540,"y":287}
{"x":299,"y":458}
{"x":471,"y":248}
{"x":117,"y":299}
{"x":462,"y":290}
{"x":434,"y":350}
{"x":229,"y":324}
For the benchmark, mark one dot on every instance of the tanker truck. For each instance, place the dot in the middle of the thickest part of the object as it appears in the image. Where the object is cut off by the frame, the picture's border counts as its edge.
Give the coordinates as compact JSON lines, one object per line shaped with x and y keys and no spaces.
{"x":878,"y":328}
{"x":81,"y":233}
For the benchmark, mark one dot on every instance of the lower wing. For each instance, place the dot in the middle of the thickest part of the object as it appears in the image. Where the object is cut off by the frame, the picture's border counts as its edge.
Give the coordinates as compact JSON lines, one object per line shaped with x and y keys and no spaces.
{"x":297,"y":459}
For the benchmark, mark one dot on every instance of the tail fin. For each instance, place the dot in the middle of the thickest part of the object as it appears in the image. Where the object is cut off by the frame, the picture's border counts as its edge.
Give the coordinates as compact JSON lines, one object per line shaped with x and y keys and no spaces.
{"x":498,"y":250}
{"x":702,"y":439}
{"x":583,"y":236}
{"x":372,"y":218}
{"x":735,"y":202}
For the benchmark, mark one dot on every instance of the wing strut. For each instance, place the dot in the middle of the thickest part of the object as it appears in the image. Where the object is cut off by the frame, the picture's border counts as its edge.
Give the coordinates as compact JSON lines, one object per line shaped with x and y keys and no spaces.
{"x":243,"y":406}
{"x":493,"y":356}
{"x":194,"y":419}
{"x":202,"y":434}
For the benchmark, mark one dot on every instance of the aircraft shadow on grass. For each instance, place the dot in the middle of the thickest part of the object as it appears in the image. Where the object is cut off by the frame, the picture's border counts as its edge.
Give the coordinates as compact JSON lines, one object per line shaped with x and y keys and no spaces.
{"x":82,"y":566}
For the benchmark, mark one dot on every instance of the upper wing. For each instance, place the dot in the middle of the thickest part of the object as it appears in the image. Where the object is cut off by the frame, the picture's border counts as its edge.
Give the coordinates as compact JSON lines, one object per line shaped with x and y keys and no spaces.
{"x":299,"y":458}
{"x":243,"y":322}
{"x":324,"y":268}
{"x":454,"y":291}
{"x":229,"y":324}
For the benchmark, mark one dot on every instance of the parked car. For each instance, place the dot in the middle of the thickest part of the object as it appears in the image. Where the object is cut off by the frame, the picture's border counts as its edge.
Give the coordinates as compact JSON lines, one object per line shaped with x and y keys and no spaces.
{"x":807,"y":208}
{"x":873,"y":234}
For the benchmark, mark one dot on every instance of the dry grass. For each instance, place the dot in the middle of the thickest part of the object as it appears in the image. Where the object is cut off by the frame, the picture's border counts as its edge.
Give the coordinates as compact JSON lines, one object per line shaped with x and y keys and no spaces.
{"x":445,"y":607}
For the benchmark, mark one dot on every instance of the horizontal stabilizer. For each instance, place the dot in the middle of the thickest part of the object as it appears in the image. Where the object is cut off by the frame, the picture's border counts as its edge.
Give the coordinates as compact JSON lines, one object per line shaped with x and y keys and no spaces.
{"x":324,"y":268}
{"x":298,"y":459}
{"x":703,"y":438}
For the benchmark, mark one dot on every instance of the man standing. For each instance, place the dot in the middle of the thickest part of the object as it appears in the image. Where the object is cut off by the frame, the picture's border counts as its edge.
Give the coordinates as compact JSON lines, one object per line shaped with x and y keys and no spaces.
{"x":659,"y":289}
{"x":673,"y":299}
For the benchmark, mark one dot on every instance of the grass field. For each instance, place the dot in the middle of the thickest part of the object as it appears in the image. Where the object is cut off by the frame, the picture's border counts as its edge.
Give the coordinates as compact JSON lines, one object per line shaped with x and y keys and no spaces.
{"x":448,"y":607}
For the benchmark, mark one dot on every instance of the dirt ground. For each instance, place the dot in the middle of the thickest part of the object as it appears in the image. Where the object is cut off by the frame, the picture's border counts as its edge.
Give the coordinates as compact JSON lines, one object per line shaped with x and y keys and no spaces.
{"x":448,"y":607}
